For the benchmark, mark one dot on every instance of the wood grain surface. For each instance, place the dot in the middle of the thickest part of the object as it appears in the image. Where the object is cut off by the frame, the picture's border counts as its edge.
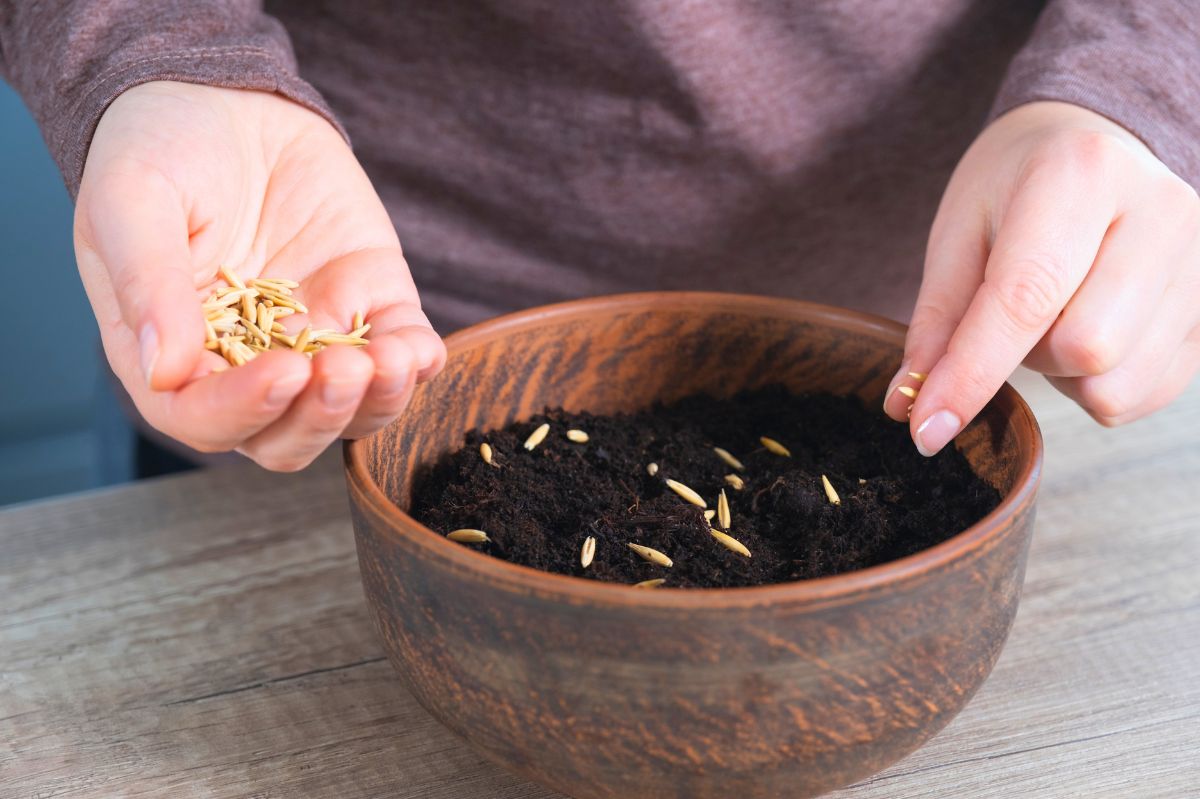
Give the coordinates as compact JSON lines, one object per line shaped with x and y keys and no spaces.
{"x":206,"y":636}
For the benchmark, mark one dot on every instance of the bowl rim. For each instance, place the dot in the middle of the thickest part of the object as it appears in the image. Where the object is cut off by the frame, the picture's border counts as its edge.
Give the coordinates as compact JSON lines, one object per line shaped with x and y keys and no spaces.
{"x":525,"y":579}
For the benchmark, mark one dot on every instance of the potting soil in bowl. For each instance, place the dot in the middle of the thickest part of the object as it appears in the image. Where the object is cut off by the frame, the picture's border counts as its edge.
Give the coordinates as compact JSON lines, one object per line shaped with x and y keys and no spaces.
{"x":608,"y":481}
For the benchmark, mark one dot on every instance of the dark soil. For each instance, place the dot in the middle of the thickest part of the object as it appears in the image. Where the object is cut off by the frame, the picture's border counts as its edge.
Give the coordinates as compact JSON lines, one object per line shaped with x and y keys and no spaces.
{"x":539,"y":506}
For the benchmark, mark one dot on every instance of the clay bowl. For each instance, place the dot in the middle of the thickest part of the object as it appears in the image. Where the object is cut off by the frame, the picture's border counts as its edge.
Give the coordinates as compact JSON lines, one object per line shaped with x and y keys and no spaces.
{"x":601,"y":690}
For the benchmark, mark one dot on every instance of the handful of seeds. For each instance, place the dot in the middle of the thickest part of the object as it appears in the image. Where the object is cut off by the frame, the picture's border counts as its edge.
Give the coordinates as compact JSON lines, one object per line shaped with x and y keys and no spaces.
{"x":241,"y":320}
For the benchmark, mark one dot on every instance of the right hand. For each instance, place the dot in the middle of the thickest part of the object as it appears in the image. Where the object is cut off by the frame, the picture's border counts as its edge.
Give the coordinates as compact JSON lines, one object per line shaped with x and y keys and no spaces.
{"x":181,"y":179}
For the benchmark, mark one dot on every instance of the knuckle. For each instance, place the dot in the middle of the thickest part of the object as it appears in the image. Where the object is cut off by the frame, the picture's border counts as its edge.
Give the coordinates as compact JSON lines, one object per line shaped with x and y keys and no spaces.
{"x":928,"y":317}
{"x":282,"y":463}
{"x":126,"y":283}
{"x":1030,"y":295}
{"x":1105,"y":400}
{"x":1080,"y":152}
{"x":1088,"y":349}
{"x":205,"y":447}
{"x":327,"y":426}
{"x":1179,"y":198}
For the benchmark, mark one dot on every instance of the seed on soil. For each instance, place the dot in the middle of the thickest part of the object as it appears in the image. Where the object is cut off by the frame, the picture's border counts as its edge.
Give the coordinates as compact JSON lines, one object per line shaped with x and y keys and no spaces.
{"x":918,"y":376}
{"x":651,"y":469}
{"x":652,"y":555}
{"x":468,"y":536}
{"x":774,"y":446}
{"x":862,"y":481}
{"x":588,"y":552}
{"x":537,"y":436}
{"x":687,"y":493}
{"x":735,"y":481}
{"x":723,"y":516}
{"x":578,"y":436}
{"x":709,"y":514}
{"x":655,"y":583}
{"x":729,"y":542}
{"x":907,"y":391}
{"x":485,"y":452}
{"x":724,"y":455}
{"x":834,"y":499}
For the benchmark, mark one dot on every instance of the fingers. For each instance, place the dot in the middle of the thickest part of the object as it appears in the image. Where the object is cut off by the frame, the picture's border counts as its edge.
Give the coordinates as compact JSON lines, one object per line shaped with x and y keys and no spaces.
{"x":1123,"y":392}
{"x":138,"y":229}
{"x":1048,"y":239}
{"x":1179,"y":374}
{"x":1121,"y":298}
{"x":395,"y":362}
{"x":1180,"y":371}
{"x":220,"y":410}
{"x":376,"y":282}
{"x":409,"y":325}
{"x":954,"y":262}
{"x":319,"y":415}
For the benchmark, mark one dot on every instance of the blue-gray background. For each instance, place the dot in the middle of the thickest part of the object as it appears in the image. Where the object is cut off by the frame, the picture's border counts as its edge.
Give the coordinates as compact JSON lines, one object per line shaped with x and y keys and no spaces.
{"x":50,"y":386}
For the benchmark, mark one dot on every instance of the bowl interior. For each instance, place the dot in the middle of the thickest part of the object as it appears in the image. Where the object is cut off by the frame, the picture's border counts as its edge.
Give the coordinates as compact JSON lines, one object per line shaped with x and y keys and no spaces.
{"x":623,"y":353}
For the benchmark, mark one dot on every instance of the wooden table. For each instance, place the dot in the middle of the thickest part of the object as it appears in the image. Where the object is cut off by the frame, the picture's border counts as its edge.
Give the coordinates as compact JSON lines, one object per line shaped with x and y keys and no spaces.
{"x":206,"y":636}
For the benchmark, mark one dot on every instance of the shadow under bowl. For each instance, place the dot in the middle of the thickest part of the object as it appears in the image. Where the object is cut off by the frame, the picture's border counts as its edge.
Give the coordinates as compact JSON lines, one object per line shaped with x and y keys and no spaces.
{"x":601,"y":690}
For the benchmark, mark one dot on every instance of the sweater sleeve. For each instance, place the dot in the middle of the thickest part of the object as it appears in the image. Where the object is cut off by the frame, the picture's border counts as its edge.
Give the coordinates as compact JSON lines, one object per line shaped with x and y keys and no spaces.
{"x":68,"y":59}
{"x":1137,"y":63}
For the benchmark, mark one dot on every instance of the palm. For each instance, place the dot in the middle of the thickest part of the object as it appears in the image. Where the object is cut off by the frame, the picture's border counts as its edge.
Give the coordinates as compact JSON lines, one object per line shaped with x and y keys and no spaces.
{"x":256,"y":183}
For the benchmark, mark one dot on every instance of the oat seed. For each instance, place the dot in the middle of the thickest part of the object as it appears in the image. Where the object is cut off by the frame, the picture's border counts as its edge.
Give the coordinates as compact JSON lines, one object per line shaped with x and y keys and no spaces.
{"x":468,"y":536}
{"x":724,"y":517}
{"x":537,"y":436}
{"x":687,"y":493}
{"x":834,"y":499}
{"x":652,"y":555}
{"x":725,"y":455}
{"x":731,"y":543}
{"x":774,"y":446}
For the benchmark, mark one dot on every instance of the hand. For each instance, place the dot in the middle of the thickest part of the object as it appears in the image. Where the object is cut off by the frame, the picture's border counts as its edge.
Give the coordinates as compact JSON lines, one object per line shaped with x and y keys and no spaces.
{"x":1063,"y":243}
{"x":181,"y":179}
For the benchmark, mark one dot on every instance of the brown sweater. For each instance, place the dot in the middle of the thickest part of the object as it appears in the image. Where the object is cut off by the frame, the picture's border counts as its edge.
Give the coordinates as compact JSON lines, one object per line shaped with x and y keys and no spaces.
{"x":537,"y":150}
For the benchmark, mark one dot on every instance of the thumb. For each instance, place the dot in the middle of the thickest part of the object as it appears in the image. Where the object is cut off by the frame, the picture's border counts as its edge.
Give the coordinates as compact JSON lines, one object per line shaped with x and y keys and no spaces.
{"x":955,"y":258}
{"x":138,"y":228}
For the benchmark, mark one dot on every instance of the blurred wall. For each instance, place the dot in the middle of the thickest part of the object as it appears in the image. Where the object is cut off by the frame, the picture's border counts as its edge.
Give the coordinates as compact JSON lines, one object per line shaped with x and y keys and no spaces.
{"x":49,"y":382}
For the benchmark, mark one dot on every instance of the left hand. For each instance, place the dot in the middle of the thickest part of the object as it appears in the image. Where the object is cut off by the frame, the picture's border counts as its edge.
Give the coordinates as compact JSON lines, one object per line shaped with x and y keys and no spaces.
{"x":1063,"y":243}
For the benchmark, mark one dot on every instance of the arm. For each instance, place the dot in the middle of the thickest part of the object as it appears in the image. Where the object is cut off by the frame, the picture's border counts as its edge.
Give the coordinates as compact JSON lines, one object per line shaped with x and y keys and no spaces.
{"x":1069,"y":238}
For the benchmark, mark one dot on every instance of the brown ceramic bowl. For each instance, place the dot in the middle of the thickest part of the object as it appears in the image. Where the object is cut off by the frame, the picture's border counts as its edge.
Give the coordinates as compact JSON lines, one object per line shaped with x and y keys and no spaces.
{"x":602,"y":690}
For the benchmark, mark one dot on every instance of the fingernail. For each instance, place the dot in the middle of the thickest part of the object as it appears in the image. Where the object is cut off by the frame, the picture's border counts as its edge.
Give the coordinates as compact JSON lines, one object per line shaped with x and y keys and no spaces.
{"x":284,"y":390}
{"x":148,"y":350}
{"x":337,"y":395}
{"x":900,"y":374}
{"x":936,"y":432}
